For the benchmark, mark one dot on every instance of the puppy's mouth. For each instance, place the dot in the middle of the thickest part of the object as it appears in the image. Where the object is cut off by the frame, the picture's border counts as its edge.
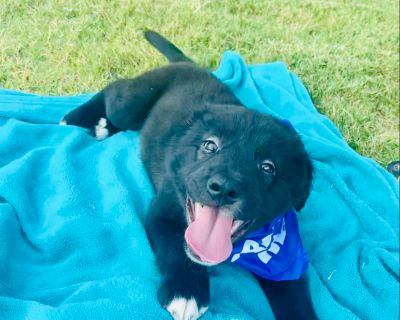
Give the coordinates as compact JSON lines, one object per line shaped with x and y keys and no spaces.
{"x":211,"y":231}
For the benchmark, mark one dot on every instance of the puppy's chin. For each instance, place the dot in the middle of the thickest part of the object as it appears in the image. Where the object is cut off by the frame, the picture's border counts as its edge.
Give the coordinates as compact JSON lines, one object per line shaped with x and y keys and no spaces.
{"x":196,"y":259}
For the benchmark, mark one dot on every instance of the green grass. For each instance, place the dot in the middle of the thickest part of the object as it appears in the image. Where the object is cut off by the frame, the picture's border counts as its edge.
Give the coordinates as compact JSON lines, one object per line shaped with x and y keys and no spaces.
{"x":346,"y":52}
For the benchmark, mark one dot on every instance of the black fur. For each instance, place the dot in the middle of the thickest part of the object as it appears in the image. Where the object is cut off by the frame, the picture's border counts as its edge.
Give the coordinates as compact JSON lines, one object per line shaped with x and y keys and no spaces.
{"x":177,"y":108}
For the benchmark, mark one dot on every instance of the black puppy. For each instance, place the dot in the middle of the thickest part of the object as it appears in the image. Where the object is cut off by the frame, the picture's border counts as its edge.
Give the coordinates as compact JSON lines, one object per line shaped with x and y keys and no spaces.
{"x":219,"y":170}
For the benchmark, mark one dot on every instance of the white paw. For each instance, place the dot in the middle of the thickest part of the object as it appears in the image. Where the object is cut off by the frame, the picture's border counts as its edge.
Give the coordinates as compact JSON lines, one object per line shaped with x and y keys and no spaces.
{"x":100,"y":130}
{"x":185,"y":309}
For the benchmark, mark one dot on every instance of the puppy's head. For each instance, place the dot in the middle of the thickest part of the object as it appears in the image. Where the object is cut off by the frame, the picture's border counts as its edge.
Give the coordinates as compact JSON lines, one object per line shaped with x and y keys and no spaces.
{"x":237,"y":170}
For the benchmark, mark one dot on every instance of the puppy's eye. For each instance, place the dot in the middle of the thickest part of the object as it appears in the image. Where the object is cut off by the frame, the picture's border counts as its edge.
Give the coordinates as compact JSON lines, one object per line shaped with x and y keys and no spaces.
{"x":268,"y":167}
{"x":209,"y":146}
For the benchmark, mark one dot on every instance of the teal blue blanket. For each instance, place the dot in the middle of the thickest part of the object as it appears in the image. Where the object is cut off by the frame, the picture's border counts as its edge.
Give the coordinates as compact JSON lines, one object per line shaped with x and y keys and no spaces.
{"x":72,"y":242}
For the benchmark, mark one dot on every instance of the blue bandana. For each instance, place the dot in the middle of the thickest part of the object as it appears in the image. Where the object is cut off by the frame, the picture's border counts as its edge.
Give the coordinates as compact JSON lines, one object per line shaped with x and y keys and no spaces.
{"x":273,"y":252}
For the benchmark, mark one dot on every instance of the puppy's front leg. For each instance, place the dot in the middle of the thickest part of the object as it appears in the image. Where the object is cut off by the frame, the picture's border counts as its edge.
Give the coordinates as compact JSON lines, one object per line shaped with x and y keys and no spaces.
{"x":184,"y":289}
{"x":289,"y":299}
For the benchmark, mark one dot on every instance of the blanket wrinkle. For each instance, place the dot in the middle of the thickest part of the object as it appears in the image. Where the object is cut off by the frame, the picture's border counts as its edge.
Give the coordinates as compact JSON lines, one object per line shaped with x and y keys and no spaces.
{"x":73,"y":244}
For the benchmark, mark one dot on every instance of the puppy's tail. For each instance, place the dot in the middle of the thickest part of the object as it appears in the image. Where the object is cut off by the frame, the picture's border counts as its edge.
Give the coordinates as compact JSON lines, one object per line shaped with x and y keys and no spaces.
{"x":166,"y":47}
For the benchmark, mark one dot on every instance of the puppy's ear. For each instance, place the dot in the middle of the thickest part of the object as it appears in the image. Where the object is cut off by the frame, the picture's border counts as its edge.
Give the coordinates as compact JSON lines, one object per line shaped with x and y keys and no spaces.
{"x":128,"y":102}
{"x":302,"y":189}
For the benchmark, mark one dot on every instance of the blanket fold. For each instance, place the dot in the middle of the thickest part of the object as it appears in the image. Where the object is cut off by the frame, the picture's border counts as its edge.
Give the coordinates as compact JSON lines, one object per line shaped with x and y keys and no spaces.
{"x":73,"y":245}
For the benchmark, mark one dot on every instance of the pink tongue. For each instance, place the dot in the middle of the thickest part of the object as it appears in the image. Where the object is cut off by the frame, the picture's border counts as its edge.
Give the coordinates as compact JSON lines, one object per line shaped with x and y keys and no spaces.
{"x":209,"y":235}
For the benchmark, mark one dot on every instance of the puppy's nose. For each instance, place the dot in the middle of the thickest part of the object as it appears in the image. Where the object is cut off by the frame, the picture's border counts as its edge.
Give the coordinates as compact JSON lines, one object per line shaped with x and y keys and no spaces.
{"x":220,"y":188}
